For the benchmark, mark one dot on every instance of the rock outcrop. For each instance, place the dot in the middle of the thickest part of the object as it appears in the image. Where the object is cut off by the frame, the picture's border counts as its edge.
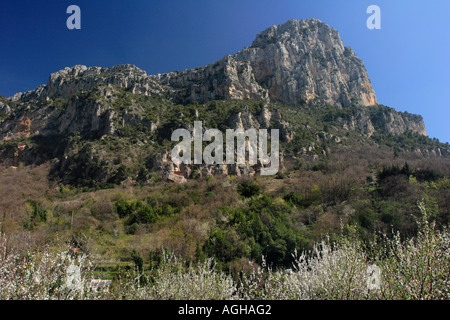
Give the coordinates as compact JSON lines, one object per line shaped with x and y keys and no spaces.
{"x":383,"y":120}
{"x":306,"y":61}
{"x":88,"y":117}
{"x":296,"y":62}
{"x":300,"y":64}
{"x":69,"y":81}
{"x":228,"y":78}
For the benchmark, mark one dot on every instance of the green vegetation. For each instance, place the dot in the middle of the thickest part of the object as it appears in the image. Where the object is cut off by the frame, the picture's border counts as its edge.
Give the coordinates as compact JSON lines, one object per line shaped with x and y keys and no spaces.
{"x":261,"y":229}
{"x":248,"y":189}
{"x":346,"y":269}
{"x":137,"y":212}
{"x":229,"y":218}
{"x":337,"y":192}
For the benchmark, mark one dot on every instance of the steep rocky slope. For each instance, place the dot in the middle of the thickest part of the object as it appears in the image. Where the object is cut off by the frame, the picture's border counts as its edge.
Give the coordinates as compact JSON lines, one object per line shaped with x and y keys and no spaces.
{"x":300,"y":65}
{"x":297,"y":62}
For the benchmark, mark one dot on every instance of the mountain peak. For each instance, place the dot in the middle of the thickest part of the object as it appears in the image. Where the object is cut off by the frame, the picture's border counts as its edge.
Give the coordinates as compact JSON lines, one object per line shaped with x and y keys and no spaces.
{"x":294,"y":29}
{"x":297,"y":62}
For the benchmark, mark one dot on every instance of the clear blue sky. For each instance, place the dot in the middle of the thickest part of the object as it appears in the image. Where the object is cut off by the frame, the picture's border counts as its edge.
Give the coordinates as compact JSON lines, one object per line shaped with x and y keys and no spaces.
{"x":407,"y":60}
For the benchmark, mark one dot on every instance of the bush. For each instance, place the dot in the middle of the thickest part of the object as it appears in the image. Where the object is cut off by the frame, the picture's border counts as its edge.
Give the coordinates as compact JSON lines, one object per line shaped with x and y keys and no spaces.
{"x":45,"y":275}
{"x":248,"y":189}
{"x":124,"y":208}
{"x":172,"y":280}
{"x":138,"y":261}
{"x":136,"y":211}
{"x":346,"y":269}
{"x":295,"y":199}
{"x":264,"y":227}
{"x":418,"y":268}
{"x":37,"y":213}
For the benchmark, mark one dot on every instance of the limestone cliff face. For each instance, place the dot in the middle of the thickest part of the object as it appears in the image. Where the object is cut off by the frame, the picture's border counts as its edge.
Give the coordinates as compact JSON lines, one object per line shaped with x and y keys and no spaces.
{"x":296,"y":62}
{"x":383,"y":120}
{"x":306,"y":61}
{"x":69,"y":81}
{"x":228,"y":78}
{"x":299,"y":62}
{"x":396,"y":123}
{"x":87,"y":117}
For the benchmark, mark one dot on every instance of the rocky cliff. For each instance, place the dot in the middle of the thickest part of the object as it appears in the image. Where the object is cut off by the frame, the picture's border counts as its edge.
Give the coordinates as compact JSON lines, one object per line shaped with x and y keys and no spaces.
{"x":296,"y":62}
{"x":382,"y":120}
{"x":302,"y":65}
{"x":69,"y":81}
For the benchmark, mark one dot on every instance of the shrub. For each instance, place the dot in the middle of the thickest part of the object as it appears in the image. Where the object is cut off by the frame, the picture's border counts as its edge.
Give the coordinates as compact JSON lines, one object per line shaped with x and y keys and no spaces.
{"x":295,"y":199}
{"x":248,"y":189}
{"x":418,"y":268}
{"x":138,"y":261}
{"x":124,"y":208}
{"x":45,"y":275}
{"x":330,"y":271}
{"x":389,"y":268}
{"x":172,"y":280}
{"x":37,"y":213}
{"x":136,"y":211}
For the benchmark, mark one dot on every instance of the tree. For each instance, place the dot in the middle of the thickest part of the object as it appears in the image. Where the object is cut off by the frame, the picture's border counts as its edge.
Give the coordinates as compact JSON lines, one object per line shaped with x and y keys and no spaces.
{"x":138,"y":261}
{"x":248,"y":189}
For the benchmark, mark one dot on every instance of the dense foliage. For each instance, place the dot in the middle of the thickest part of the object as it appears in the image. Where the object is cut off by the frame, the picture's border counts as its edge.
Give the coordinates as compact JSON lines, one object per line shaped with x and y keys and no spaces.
{"x":342,"y":203}
{"x":388,"y":268}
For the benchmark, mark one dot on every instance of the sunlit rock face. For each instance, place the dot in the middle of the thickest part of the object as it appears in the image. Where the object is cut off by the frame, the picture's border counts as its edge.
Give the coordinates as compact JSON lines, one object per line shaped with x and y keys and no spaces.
{"x":296,"y":62}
